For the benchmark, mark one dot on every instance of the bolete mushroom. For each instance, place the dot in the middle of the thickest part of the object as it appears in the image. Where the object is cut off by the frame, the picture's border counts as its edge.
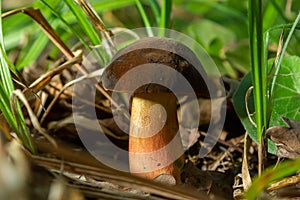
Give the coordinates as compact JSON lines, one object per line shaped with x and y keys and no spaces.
{"x":154,"y":70}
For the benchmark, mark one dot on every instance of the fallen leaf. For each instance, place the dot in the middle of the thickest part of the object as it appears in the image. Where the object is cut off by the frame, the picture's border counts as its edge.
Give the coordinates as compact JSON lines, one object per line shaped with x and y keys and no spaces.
{"x":287,"y":139}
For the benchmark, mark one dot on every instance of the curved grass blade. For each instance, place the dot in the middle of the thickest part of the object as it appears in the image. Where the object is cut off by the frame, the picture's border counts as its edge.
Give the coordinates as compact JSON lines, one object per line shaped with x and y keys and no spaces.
{"x":270,"y":175}
{"x":15,"y":119}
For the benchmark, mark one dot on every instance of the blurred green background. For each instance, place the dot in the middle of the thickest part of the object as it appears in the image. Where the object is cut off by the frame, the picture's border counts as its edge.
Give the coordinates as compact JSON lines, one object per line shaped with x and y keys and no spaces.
{"x":220,"y":26}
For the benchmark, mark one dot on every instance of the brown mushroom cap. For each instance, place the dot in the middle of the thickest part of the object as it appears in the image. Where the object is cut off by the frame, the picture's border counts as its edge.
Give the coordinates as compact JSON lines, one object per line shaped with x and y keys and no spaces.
{"x":154,"y":54}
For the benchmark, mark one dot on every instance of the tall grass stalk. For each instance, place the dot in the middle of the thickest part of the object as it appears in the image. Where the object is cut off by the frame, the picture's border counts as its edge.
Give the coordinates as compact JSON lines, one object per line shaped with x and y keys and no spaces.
{"x":144,"y":17}
{"x":258,"y":66}
{"x":166,"y":8}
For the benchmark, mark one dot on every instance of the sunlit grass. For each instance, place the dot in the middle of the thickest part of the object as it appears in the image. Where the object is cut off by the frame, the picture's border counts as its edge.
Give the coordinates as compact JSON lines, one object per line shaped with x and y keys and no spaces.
{"x":270,"y":175}
{"x":15,"y":120}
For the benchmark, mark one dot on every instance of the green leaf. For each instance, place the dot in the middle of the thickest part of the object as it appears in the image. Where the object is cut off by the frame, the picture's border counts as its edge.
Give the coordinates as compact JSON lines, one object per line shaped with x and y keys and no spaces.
{"x":208,"y":32}
{"x":273,"y":10}
{"x":239,"y":57}
{"x":239,"y":103}
{"x":195,"y":7}
{"x":107,"y":5}
{"x":287,"y":91}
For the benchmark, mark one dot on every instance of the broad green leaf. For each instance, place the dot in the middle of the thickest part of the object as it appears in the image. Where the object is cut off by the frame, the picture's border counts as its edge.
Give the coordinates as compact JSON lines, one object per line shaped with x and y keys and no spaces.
{"x":287,"y":91}
{"x":239,"y":102}
{"x":239,"y":57}
{"x":193,"y":6}
{"x":208,"y":32}
{"x":214,"y":38}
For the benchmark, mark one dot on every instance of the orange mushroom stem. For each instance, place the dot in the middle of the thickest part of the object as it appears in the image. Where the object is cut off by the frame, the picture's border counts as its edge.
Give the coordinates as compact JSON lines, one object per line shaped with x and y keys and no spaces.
{"x":154,"y":141}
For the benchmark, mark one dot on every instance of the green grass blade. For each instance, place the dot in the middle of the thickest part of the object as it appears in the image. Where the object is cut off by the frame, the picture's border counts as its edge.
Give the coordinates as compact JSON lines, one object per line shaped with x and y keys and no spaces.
{"x":144,"y":17}
{"x":5,"y":108}
{"x":270,"y":175}
{"x":34,"y":51}
{"x":84,"y":22}
{"x":156,"y":10}
{"x":74,"y":31}
{"x":266,"y":51}
{"x":281,"y":26}
{"x":108,"y":5}
{"x":257,"y":65}
{"x":166,"y":9}
{"x":5,"y":77}
{"x":16,"y":122}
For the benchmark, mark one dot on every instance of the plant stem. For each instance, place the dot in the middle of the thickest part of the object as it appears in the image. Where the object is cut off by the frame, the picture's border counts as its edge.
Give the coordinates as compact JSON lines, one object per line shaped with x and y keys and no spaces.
{"x":258,"y":71}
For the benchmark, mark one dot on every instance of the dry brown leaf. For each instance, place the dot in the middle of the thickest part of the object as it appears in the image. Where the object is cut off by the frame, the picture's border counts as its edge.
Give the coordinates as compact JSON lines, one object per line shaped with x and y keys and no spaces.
{"x":43,"y":80}
{"x":287,"y":139}
{"x":245,"y":170}
{"x":17,"y":94}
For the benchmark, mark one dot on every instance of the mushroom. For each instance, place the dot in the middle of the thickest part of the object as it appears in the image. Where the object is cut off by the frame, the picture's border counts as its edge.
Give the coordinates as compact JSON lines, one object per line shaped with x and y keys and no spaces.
{"x":154,"y":70}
